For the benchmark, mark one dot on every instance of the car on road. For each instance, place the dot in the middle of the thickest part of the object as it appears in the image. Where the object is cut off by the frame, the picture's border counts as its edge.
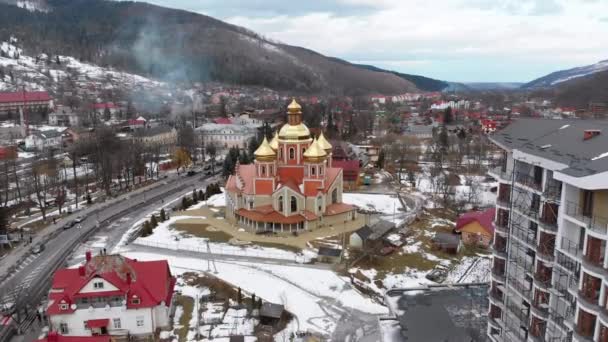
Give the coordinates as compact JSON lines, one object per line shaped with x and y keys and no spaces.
{"x":38,"y":248}
{"x":79,"y":219}
{"x":7,"y":307}
{"x":190,"y":173}
{"x":69,"y":224}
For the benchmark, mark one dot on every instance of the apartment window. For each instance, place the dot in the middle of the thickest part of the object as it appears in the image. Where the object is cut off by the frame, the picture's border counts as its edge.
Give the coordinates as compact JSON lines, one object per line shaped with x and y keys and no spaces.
{"x":63,"y":328}
{"x":98,"y":285}
{"x":116,"y":323}
{"x":140,"y":321}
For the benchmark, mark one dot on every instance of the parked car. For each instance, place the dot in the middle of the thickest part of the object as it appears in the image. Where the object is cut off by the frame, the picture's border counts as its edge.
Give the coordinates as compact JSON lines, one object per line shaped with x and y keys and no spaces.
{"x":437,"y":275}
{"x":38,"y":248}
{"x":79,"y":219}
{"x":191,"y":173}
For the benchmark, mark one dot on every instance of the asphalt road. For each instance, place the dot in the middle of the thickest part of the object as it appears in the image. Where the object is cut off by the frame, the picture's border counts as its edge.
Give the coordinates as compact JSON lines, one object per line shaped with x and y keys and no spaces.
{"x":33,"y":280}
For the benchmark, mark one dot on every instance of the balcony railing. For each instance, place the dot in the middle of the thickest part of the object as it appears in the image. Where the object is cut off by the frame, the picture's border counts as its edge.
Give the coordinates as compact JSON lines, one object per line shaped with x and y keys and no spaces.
{"x":593,"y":222}
{"x":498,"y":274}
{"x":529,"y":181}
{"x":518,"y":312}
{"x":571,"y":247}
{"x":548,"y":223}
{"x":502,"y":226}
{"x":553,"y":190}
{"x":503,"y":201}
{"x":502,"y":175}
{"x":523,"y":234}
{"x":521,"y":288}
{"x":496,"y":295}
{"x":543,"y":279}
{"x":527,"y":210}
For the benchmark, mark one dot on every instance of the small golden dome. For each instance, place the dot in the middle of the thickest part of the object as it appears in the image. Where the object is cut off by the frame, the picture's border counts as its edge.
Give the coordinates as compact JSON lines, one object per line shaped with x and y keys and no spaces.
{"x":323,"y":143}
{"x":314,"y":153}
{"x":265,"y":152}
{"x":274,"y":143}
{"x":294,"y":107}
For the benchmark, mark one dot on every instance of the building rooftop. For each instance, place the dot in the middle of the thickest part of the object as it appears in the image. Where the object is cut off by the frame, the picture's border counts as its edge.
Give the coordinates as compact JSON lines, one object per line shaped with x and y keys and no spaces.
{"x":561,"y":141}
{"x":443,"y":313}
{"x":271,"y":310}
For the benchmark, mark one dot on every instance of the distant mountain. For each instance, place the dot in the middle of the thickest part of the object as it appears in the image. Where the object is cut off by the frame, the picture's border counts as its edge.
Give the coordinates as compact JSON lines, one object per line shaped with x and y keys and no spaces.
{"x":578,"y":92}
{"x":422,"y":82}
{"x":559,"y":77}
{"x":494,"y":85}
{"x":171,"y":44}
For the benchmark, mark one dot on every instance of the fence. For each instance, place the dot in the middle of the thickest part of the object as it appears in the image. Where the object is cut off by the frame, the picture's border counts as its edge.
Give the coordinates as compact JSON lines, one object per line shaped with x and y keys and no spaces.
{"x":220,"y":251}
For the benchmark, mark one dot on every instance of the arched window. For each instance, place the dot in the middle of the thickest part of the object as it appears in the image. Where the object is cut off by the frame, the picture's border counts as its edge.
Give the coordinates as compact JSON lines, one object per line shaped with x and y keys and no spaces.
{"x":263,"y":170}
{"x":320,"y":170}
{"x":294,"y":204}
{"x":292,"y":153}
{"x":313,"y":170}
{"x":320,"y":203}
{"x":281,"y":204}
{"x":334,"y":196}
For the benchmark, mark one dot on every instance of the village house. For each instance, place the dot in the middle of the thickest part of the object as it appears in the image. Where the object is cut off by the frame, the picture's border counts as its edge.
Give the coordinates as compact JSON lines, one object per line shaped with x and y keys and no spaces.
{"x":63,"y":116}
{"x":476,"y":228}
{"x":291,"y":186}
{"x":101,"y":108}
{"x":164,"y":137}
{"x":227,"y":135}
{"x":43,"y":140}
{"x":111,"y":295}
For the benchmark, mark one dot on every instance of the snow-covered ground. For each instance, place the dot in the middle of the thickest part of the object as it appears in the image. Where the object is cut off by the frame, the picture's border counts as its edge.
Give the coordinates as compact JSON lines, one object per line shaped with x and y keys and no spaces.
{"x":387,"y":205}
{"x":317,"y":298}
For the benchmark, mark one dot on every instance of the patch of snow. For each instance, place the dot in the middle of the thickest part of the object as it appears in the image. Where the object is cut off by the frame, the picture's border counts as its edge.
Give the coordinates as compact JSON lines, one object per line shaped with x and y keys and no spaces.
{"x":603,"y":155}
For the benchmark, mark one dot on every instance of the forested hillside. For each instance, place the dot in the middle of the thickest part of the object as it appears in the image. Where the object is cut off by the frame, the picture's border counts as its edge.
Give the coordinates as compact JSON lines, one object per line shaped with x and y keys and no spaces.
{"x":177,"y":45}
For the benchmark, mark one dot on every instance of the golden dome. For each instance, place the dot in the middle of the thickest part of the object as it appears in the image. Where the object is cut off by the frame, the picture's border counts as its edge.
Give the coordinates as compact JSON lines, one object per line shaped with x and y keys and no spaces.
{"x":265,"y":152}
{"x":274,"y":143}
{"x":323,"y":143}
{"x":314,"y":153}
{"x":294,"y":132}
{"x":294,"y":106}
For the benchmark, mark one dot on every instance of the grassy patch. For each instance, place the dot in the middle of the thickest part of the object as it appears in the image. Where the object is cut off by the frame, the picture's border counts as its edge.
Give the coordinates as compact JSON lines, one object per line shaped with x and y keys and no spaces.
{"x":188,"y":304}
{"x":200,"y":230}
{"x":278,"y":246}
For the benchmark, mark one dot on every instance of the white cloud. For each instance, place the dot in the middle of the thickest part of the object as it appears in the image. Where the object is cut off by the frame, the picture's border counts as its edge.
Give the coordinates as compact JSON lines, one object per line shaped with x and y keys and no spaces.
{"x":548,"y":33}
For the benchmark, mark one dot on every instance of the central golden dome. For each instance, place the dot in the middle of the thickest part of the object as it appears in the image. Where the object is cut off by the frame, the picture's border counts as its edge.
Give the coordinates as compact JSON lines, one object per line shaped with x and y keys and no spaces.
{"x":294,"y":132}
{"x":294,"y":129}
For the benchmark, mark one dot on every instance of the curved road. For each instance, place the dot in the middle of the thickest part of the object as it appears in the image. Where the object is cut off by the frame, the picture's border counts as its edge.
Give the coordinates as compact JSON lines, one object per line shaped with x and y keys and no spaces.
{"x":29,"y":284}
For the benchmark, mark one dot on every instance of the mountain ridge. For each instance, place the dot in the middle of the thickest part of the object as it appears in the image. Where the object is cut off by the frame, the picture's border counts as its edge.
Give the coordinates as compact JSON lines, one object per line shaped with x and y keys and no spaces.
{"x":172,"y":44}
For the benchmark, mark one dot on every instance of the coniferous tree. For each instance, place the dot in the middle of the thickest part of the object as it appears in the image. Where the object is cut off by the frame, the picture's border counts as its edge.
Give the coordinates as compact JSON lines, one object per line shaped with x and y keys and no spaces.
{"x":153,"y":221}
{"x":163,"y":216}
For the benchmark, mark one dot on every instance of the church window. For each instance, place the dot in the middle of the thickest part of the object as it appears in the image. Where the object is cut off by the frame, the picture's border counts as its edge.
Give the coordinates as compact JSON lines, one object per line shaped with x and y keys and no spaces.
{"x":263,"y":170}
{"x":294,"y":204}
{"x":292,"y":153}
{"x":334,"y":196}
{"x":313,"y":170}
{"x":281,"y":204}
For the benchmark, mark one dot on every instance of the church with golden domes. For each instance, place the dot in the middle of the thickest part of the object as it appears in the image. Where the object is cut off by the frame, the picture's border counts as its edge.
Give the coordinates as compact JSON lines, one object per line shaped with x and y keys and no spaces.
{"x":291,"y":186}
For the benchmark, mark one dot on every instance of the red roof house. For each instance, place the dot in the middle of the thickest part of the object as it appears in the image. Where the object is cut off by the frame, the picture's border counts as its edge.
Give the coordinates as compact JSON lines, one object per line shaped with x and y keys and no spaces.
{"x":477,"y":227}
{"x":29,"y":96}
{"x":55,"y":337}
{"x":103,"y":291}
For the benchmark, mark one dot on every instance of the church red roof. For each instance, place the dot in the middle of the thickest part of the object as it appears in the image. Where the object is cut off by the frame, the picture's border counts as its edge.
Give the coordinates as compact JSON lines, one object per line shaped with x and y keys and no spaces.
{"x":149,"y":281}
{"x":268,"y":214}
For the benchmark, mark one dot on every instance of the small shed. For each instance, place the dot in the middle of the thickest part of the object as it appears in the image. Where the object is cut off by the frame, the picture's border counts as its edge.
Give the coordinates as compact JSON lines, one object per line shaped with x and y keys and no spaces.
{"x":477,"y":227}
{"x":447,"y":242}
{"x":271,"y":314}
{"x":329,"y":255}
{"x":371,"y":237}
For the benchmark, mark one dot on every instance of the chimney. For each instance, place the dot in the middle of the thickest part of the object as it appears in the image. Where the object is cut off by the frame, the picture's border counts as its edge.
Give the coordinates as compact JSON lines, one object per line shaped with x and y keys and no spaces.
{"x":590,"y":133}
{"x":129,"y":278}
{"x":88,"y":256}
{"x":81,"y":271}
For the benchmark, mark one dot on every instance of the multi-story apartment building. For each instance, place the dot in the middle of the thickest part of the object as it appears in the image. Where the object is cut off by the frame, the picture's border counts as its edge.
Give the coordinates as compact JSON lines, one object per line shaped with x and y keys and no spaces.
{"x":550,"y":267}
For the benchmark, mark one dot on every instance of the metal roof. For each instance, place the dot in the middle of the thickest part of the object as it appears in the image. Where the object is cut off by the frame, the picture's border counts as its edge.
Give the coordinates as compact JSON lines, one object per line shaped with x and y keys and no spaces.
{"x":560,"y":141}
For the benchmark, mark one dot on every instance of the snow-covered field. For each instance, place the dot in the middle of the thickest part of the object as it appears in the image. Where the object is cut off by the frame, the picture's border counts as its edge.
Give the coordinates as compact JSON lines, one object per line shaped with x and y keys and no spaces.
{"x":316,"y":297}
{"x":388,"y":205}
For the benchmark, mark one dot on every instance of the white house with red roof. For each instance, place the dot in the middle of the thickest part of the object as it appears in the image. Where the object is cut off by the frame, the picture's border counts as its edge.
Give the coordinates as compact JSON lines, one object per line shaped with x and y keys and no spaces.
{"x":111,"y":295}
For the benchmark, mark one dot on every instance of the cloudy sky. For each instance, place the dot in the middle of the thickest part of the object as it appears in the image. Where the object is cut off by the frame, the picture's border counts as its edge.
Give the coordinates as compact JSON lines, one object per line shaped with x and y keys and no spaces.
{"x":455,"y":40}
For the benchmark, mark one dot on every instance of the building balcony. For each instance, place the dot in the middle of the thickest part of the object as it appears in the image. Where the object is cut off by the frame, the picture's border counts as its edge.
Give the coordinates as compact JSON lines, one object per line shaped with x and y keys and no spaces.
{"x":581,"y":336}
{"x":542,"y":280}
{"x":520,"y":288}
{"x":589,"y":301}
{"x":504,"y":203}
{"x":592,"y":265}
{"x":571,"y":248}
{"x":540,"y":310}
{"x":502,"y":227}
{"x":545,"y":254}
{"x":496,"y":295}
{"x":528,"y":181}
{"x":519,"y":313}
{"x":524,"y":235}
{"x":529,"y":212}
{"x":498,"y":275}
{"x":553,"y":190}
{"x":547,"y":224}
{"x":500,"y":175}
{"x":591,"y":221}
